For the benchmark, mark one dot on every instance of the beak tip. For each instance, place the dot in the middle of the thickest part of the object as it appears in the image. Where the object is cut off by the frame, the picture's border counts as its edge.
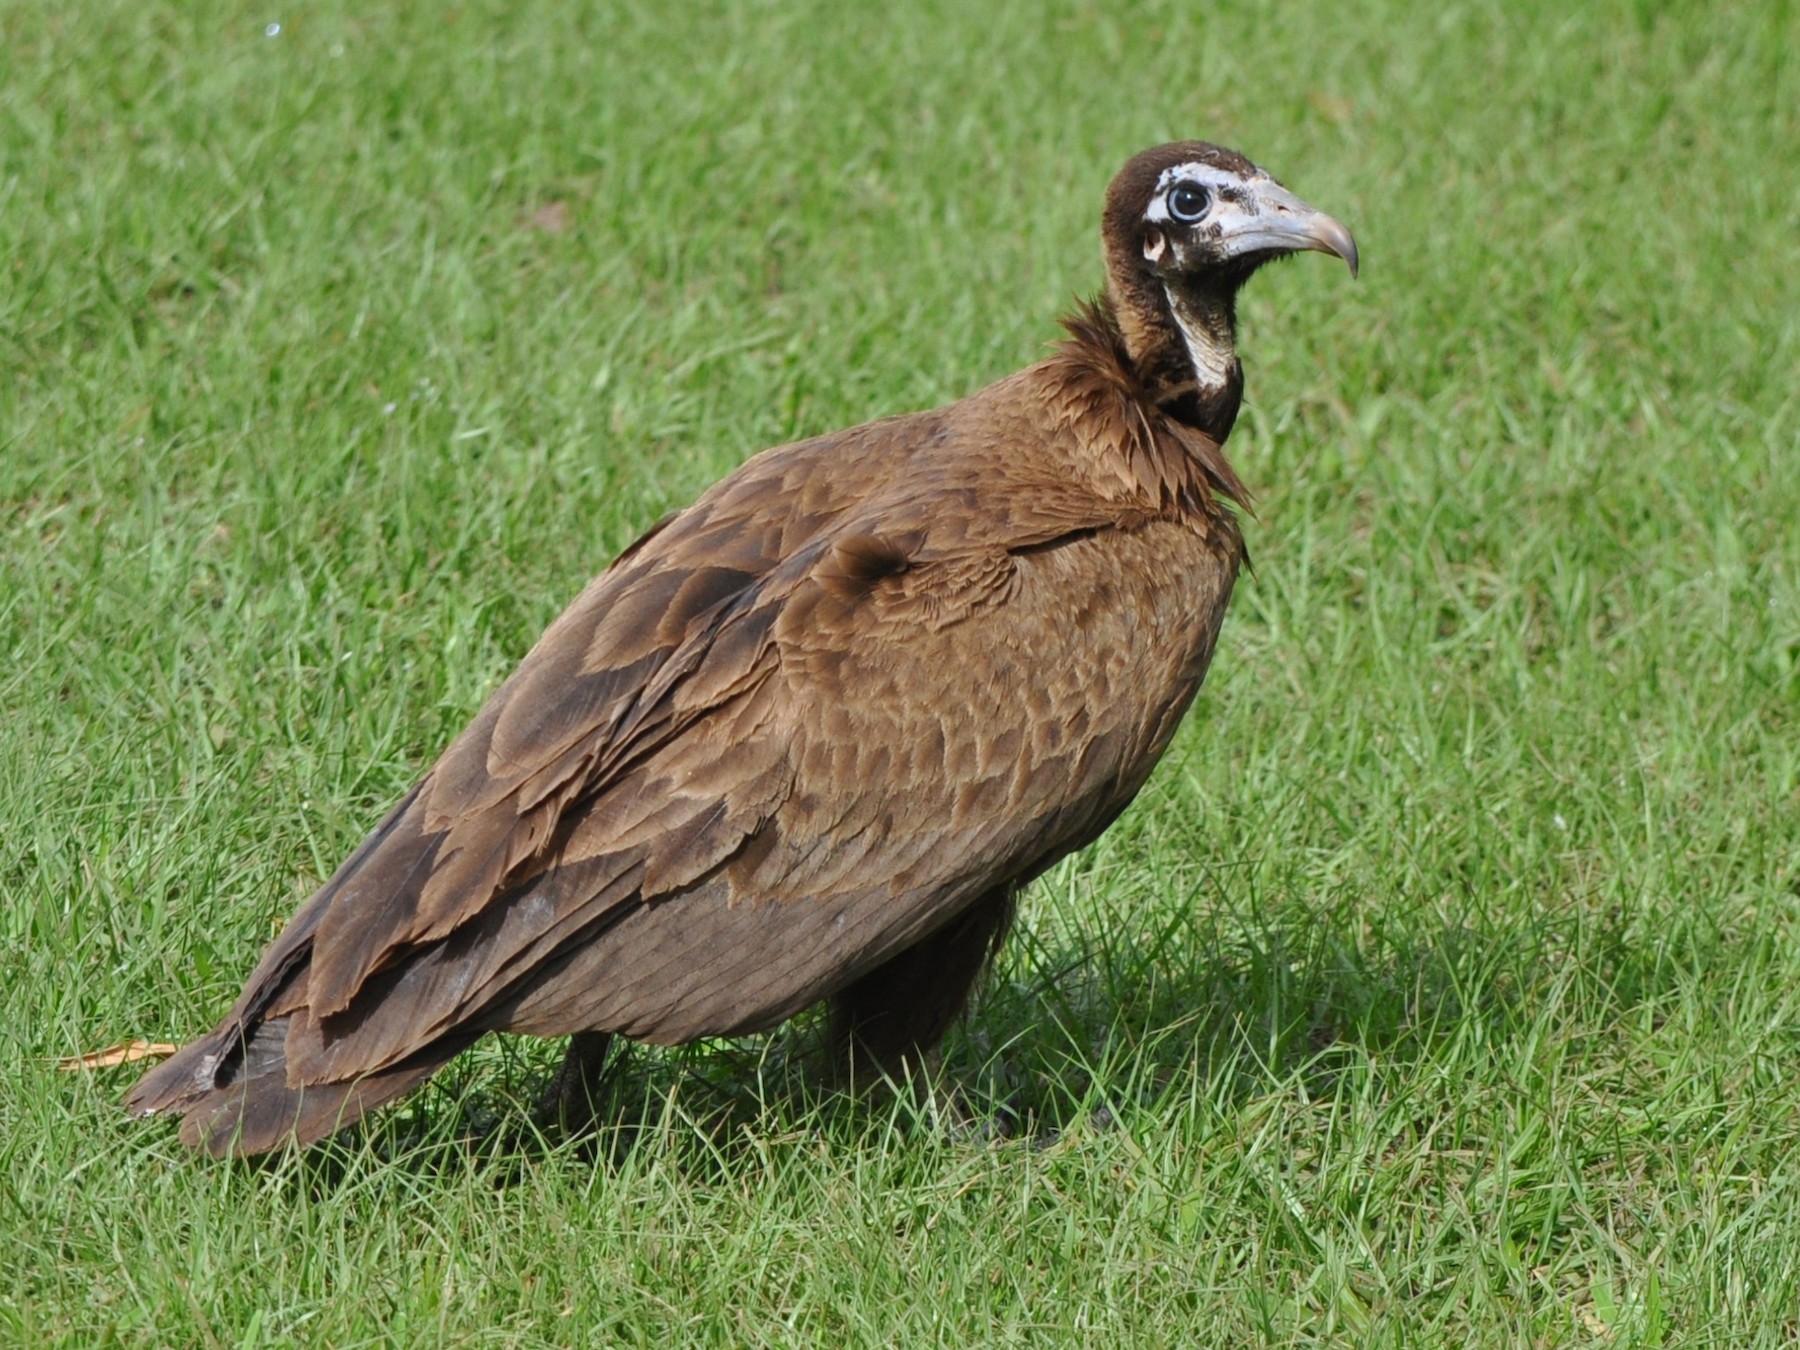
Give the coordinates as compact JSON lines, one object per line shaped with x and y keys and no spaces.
{"x":1333,"y":237}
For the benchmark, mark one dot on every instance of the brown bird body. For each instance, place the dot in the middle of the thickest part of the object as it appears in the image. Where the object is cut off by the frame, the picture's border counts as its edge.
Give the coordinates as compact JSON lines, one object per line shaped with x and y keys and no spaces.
{"x":807,"y":738}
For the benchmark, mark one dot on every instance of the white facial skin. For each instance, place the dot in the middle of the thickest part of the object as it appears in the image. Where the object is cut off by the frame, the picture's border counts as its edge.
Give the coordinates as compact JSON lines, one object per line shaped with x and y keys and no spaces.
{"x":1199,"y":208}
{"x":1210,"y":178}
{"x":1201,"y":216}
{"x":1206,"y":335}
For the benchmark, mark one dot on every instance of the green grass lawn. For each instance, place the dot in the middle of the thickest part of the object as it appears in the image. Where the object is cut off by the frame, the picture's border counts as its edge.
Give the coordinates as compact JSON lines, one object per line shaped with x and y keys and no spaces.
{"x":1443,"y":987}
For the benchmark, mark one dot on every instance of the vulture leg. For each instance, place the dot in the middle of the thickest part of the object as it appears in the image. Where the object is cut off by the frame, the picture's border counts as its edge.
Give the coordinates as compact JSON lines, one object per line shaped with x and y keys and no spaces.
{"x":889,"y":1022}
{"x":571,"y":1104}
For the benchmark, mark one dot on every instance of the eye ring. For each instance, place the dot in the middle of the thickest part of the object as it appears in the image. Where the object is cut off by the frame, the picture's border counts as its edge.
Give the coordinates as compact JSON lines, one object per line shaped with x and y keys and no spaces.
{"x":1188,"y":202}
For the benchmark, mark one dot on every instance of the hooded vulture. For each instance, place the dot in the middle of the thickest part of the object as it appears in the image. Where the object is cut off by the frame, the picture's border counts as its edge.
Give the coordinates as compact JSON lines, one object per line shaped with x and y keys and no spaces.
{"x":806,"y":739}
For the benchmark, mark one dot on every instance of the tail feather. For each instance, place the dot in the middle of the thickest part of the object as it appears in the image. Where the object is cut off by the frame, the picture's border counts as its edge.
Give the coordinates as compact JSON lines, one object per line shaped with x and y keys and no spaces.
{"x":260,"y":1111}
{"x":184,"y":1078}
{"x":249,"y":1107}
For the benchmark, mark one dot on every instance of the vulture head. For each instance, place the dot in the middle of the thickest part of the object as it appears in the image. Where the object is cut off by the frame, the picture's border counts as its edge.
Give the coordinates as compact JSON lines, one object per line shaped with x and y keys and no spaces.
{"x":1184,"y":227}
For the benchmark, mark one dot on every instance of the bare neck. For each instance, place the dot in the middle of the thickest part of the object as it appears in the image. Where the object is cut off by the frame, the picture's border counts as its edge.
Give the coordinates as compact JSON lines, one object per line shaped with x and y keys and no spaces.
{"x":1182,"y":343}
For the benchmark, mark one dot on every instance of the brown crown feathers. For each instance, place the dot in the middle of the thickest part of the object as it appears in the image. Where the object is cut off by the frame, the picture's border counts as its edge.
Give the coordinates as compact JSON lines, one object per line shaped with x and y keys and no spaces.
{"x":806,"y":739}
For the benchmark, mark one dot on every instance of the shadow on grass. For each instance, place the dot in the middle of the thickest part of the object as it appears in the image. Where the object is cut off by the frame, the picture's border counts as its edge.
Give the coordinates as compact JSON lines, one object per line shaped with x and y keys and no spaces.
{"x":1102,"y":1026}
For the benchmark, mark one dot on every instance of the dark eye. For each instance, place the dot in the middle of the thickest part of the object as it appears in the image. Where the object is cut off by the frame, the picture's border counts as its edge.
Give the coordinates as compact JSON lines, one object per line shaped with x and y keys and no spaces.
{"x":1188,"y":202}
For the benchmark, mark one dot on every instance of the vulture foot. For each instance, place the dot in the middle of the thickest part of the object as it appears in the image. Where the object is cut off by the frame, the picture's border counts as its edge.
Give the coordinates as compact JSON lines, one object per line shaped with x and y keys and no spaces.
{"x":570,"y":1105}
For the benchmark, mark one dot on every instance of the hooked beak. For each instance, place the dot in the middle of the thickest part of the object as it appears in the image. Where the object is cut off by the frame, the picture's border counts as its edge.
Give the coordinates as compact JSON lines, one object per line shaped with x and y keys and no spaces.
{"x":1282,"y":223}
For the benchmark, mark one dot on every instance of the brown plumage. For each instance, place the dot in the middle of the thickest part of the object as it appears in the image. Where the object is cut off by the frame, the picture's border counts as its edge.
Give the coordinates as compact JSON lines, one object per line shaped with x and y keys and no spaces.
{"x":806,"y":739}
